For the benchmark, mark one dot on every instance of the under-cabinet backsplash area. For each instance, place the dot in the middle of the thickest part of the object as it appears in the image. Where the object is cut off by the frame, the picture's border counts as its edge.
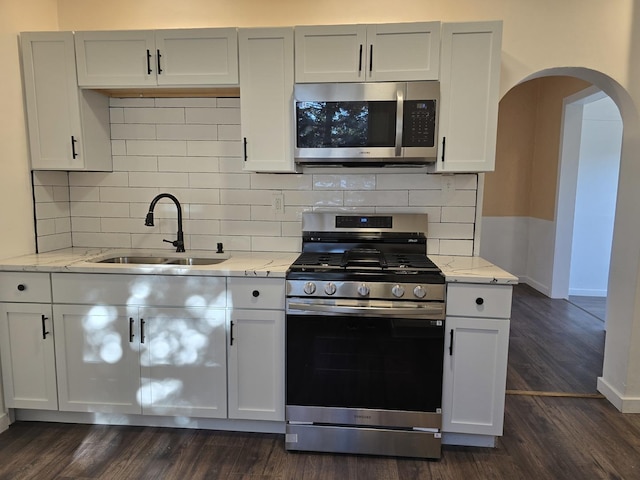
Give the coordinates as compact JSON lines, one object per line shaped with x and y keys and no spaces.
{"x":191,"y":148}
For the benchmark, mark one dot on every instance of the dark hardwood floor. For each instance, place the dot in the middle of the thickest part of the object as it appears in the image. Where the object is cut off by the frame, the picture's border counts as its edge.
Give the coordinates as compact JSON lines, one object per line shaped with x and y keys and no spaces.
{"x":554,"y":348}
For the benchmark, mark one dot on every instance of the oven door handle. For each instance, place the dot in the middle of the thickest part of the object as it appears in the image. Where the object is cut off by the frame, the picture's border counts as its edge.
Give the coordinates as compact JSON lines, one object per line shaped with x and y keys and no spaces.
{"x":418,"y":310}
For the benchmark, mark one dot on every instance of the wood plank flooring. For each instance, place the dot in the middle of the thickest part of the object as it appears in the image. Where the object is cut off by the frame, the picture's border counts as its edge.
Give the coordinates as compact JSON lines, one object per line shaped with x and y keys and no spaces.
{"x":554,"y":347}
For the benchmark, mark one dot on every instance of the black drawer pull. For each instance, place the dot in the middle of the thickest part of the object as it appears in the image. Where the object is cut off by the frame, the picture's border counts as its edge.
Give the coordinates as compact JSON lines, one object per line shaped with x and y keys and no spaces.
{"x":44,"y":328}
{"x":22,"y":287}
{"x":479,"y":301}
{"x":142,"y":337}
{"x":231,"y":335}
{"x":255,"y":293}
{"x":131,"y":335}
{"x":451,"y":343}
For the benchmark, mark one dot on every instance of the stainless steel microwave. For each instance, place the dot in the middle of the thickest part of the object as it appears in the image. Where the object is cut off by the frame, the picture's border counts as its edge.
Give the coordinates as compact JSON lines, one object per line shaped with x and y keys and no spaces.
{"x":366,"y":123}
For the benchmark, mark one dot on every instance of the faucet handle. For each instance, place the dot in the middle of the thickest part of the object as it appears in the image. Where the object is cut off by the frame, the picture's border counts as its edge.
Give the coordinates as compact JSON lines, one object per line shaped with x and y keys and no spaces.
{"x":176,"y":243}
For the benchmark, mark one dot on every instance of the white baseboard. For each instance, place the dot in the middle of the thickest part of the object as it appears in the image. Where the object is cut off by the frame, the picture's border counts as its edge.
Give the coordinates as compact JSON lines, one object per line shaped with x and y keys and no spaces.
{"x":585,"y":292}
{"x":544,"y":289}
{"x":4,"y":422}
{"x":622,"y":403}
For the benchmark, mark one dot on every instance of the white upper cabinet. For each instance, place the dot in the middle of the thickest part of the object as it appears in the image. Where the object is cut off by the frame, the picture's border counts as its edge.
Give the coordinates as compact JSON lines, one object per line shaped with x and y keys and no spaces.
{"x":266,"y":98}
{"x":68,"y":127}
{"x":367,"y":53}
{"x":147,"y":58}
{"x":469,"y":94}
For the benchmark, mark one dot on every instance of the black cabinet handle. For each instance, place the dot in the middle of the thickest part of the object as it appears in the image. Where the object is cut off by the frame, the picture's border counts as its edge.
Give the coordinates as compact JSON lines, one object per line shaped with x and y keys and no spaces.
{"x":256,"y":293}
{"x":360,"y":60}
{"x":451,"y":343}
{"x":141,"y":330}
{"x":158,"y":59}
{"x":231,"y":335}
{"x":74,"y":154}
{"x":149,"y":62}
{"x":370,"y":58}
{"x":244,"y":143}
{"x":44,"y":328}
{"x":22,"y":287}
{"x":131,"y":335}
{"x":444,"y":146}
{"x":479,"y":301}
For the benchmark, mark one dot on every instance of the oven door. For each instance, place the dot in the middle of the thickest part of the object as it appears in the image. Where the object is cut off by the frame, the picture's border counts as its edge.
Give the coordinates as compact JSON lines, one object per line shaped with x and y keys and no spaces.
{"x":355,"y":362}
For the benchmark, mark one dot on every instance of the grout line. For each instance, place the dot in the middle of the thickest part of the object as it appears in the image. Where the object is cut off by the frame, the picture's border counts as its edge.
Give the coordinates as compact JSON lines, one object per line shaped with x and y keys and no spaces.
{"x":531,"y":393}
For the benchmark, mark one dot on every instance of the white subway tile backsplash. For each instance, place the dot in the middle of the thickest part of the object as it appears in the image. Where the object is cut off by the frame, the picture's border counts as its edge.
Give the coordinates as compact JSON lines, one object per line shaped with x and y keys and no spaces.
{"x":98,"y":179}
{"x":458,"y":214}
{"x":84,"y":194}
{"x":135,"y":163}
{"x":128,"y":131}
{"x":398,"y":198}
{"x":213,"y":116}
{"x":187,"y":132}
{"x":209,"y":102}
{"x":229,"y":132}
{"x":344,"y":182}
{"x":219,"y":148}
{"x":188,"y":164}
{"x":456,"y":247}
{"x":154,"y":115}
{"x":157,"y":147}
{"x":191,"y":148}
{"x":220,"y":180}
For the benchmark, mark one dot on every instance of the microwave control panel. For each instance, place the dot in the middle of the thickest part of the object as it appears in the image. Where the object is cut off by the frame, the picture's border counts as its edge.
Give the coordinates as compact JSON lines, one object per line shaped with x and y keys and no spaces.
{"x":419,"y":123}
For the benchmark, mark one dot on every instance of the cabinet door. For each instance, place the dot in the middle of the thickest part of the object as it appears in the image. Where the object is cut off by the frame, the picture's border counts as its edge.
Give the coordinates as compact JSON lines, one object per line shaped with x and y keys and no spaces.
{"x":475,"y":372}
{"x":256,"y":365}
{"x":68,"y":128}
{"x":333,"y":53}
{"x":53,"y":109}
{"x":403,"y":52}
{"x":266,"y":98}
{"x":197,"y":56}
{"x":116,"y":58}
{"x":469,"y":91}
{"x":97,"y":358}
{"x":183,"y":362}
{"x":27,"y":354}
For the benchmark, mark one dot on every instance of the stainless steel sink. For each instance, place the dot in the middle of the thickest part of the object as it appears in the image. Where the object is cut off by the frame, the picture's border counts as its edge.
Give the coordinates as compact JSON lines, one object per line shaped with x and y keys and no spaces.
{"x":141,"y":260}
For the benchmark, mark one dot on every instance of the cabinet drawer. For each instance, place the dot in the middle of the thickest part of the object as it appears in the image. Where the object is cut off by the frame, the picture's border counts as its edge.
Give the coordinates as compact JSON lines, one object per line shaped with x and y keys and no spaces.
{"x":25,"y":287}
{"x":152,"y":290}
{"x":256,"y":293}
{"x":478,"y":300}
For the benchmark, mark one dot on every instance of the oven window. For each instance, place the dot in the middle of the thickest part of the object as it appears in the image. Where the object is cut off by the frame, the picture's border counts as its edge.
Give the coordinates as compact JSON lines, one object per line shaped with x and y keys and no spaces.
{"x":364,"y":363}
{"x":346,"y":124}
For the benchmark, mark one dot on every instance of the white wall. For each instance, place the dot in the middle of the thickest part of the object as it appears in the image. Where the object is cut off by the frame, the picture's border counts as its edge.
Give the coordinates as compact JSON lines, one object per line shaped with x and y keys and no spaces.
{"x":595,"y":198}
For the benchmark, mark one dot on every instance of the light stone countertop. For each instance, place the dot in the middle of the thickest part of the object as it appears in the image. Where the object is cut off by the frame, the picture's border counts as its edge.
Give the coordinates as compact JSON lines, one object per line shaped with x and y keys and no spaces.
{"x":472,"y":270}
{"x":242,"y":264}
{"x":83,"y":260}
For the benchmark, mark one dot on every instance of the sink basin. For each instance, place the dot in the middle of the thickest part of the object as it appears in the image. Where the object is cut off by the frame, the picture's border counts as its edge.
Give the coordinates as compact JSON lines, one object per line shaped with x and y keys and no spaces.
{"x":140,"y":260}
{"x":134,"y":260}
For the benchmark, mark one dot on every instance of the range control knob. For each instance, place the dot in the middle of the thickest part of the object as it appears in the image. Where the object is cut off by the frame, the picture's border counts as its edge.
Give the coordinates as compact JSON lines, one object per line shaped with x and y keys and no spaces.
{"x":419,"y":291}
{"x":330,"y":288}
{"x":309,"y":288}
{"x":363,"y":290}
{"x":397,"y":291}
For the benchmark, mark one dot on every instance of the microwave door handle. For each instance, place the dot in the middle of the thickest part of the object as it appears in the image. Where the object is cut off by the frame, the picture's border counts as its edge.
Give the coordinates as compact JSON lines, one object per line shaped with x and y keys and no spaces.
{"x":399,"y":120}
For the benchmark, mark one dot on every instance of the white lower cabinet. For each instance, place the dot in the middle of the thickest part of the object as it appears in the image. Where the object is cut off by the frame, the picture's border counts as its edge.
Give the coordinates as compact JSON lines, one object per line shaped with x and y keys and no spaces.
{"x":475,"y":370}
{"x":183,"y":362}
{"x":154,"y":361}
{"x":475,"y":358}
{"x":98,"y":366}
{"x":27,"y":354}
{"x":256,"y":348}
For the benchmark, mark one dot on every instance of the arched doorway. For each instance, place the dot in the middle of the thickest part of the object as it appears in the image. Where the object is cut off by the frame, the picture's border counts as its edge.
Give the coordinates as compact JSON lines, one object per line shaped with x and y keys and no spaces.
{"x":620,"y":381}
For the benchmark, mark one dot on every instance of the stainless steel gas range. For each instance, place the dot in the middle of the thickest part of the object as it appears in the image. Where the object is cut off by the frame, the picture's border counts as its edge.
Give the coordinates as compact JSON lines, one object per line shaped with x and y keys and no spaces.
{"x":364,"y":337}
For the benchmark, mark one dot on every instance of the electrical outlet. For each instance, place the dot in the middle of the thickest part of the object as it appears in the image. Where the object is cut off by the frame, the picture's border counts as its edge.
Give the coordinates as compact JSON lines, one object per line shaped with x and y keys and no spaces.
{"x":278,"y":203}
{"x":448,"y":185}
